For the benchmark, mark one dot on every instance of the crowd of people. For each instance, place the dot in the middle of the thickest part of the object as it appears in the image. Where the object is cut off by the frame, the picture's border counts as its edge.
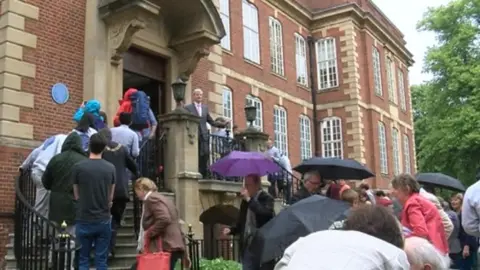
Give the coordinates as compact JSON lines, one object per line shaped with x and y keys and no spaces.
{"x":407,"y":227}
{"x":82,"y":179}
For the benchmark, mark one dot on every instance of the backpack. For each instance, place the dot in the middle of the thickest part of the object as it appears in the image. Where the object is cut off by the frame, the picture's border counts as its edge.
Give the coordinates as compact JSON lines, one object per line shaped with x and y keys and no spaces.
{"x":140,"y":110}
{"x":99,"y":124}
{"x":85,"y":140}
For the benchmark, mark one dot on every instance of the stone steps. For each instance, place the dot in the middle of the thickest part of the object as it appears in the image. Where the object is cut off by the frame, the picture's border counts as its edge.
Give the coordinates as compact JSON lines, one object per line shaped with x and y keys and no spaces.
{"x":125,"y":252}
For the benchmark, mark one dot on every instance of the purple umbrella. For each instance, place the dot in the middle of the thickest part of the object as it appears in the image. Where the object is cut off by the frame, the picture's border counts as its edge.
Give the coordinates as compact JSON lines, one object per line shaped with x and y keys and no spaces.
{"x":241,"y":164}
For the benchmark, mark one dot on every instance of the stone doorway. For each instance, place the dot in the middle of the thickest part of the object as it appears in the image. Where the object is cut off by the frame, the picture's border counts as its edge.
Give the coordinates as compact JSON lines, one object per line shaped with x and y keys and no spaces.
{"x":146,"y":72}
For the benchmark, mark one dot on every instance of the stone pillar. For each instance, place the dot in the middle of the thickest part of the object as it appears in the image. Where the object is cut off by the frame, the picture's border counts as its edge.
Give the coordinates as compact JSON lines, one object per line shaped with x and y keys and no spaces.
{"x":255,"y":141}
{"x":181,"y":164}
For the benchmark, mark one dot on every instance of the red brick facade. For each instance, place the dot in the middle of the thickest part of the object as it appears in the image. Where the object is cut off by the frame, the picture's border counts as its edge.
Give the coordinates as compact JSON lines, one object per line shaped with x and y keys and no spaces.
{"x":59,"y":57}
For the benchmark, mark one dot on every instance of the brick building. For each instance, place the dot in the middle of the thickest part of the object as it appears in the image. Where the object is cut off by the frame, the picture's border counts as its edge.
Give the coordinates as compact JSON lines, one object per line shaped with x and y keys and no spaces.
{"x":97,"y":48}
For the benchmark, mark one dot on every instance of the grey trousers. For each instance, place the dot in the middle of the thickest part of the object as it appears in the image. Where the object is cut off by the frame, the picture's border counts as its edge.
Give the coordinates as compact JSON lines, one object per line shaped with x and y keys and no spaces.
{"x":42,"y":195}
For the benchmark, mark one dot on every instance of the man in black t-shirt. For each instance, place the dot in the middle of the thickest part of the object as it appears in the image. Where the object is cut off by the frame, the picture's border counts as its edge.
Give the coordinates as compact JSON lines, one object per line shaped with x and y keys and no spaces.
{"x":93,"y":186}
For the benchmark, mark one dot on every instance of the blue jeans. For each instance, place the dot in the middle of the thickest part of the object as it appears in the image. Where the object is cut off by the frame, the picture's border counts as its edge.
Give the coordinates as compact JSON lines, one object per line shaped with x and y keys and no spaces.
{"x":97,"y":234}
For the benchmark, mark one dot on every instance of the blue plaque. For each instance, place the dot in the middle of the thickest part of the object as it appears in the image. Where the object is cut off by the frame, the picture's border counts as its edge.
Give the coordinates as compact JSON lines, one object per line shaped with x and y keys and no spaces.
{"x":60,"y":93}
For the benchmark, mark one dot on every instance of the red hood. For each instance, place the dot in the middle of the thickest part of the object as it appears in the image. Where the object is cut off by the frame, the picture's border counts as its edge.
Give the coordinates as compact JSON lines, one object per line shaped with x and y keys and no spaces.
{"x":126,"y":96}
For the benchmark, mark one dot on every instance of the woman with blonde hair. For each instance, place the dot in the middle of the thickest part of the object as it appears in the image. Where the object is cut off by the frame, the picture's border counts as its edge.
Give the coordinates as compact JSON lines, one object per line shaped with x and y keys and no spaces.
{"x":159,"y":225}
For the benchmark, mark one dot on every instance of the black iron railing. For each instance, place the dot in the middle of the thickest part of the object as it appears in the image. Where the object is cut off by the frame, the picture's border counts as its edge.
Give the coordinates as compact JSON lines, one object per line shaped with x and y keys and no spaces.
{"x":220,"y":146}
{"x":283,"y":184}
{"x":228,"y":249}
{"x":39,"y":244}
{"x":150,"y":164}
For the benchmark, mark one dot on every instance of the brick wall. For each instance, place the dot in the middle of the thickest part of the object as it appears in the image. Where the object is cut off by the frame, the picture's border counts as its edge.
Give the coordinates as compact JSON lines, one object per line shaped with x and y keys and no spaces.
{"x":58,"y":58}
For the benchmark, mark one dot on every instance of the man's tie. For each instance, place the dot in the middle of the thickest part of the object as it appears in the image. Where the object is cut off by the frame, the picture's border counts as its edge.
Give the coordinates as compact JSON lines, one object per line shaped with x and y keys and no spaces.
{"x":199,"y":109}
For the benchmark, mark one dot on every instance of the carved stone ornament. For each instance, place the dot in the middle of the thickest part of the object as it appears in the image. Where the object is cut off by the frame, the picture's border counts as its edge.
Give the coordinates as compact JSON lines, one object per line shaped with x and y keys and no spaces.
{"x":120,"y":37}
{"x":188,"y":59}
{"x":191,"y":133}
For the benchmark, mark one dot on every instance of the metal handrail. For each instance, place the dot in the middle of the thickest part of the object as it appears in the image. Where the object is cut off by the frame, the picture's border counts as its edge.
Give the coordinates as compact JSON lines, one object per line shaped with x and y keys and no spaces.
{"x":52,"y":232}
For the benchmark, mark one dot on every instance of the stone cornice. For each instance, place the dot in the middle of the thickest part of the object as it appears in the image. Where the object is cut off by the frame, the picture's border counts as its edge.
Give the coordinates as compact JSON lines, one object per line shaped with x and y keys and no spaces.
{"x":364,"y":20}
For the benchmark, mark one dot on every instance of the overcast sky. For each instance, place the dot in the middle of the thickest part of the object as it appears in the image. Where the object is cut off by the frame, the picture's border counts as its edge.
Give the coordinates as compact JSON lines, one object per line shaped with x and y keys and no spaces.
{"x":405,"y":15}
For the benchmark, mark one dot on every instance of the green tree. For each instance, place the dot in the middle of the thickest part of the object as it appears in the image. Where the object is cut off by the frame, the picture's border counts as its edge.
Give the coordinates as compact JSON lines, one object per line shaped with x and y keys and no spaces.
{"x":447,"y":108}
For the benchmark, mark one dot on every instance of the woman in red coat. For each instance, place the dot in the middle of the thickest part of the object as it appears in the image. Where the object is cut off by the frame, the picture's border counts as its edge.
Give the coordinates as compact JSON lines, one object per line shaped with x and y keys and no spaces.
{"x":419,"y":215}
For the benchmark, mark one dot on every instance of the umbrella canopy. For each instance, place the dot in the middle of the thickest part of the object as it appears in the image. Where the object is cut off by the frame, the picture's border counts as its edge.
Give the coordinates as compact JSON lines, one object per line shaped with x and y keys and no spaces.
{"x":312,"y":214}
{"x":241,"y":164}
{"x":335,"y":168}
{"x":440,"y":180}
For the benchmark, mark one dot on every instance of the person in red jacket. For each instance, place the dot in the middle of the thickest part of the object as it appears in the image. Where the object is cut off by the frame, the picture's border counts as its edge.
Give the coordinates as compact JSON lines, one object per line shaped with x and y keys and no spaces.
{"x":125,"y":105}
{"x":419,"y":215}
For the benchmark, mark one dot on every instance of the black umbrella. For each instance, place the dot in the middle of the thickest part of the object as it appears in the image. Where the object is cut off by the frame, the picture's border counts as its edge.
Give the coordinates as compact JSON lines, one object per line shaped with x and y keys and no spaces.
{"x":335,"y":168}
{"x":440,"y":180}
{"x":312,"y":214}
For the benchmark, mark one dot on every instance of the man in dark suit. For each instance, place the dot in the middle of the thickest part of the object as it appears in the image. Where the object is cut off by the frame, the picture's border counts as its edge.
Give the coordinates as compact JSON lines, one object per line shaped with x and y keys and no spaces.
{"x":256,"y":210}
{"x":201,"y":110}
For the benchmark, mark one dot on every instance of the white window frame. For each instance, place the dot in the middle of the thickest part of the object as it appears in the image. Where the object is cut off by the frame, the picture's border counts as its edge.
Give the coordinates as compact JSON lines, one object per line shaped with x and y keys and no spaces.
{"x":382,"y":147}
{"x":305,"y":137}
{"x":255,"y":101}
{"x":280,"y":129}
{"x":326,"y":51}
{"x":401,"y":90}
{"x":251,"y":37}
{"x":301,"y":60}
{"x":406,"y":154}
{"x":377,"y":72}
{"x":332,"y":137}
{"x":225,"y":16}
{"x":396,"y":151}
{"x":390,"y":65}
{"x":227,"y":103}
{"x":276,"y":47}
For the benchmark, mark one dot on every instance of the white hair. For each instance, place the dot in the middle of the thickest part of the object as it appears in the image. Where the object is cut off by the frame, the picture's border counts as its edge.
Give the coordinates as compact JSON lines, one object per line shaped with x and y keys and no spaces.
{"x":198,"y":90}
{"x":421,"y":252}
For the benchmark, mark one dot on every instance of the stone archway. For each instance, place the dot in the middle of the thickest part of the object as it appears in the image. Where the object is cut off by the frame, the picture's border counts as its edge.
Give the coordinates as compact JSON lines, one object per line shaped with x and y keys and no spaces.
{"x":214,"y":219}
{"x":220,"y":214}
{"x":187,"y":29}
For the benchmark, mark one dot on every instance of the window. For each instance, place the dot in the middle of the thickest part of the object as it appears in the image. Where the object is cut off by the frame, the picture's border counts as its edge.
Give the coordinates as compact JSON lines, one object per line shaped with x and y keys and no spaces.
{"x":276,"y":46}
{"x":406,"y":154}
{"x":377,"y":72}
{"x":225,"y":15}
{"x":301,"y":59}
{"x":332,"y":144}
{"x":305,"y":138}
{"x":251,"y":43}
{"x":227,"y":104}
{"x":396,"y":151}
{"x":391,"y":81}
{"x":254,"y":101}
{"x":401,"y":90}
{"x":382,"y":141}
{"x":280,"y":129}
{"x":327,"y":63}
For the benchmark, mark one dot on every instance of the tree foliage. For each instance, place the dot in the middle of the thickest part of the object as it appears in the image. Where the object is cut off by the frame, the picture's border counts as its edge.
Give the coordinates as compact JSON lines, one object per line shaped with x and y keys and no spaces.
{"x":447,"y":108}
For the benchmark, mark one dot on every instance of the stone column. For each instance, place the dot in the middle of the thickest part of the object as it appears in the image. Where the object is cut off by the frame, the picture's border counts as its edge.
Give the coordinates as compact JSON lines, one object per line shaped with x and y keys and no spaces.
{"x":254,"y":141}
{"x":181,"y":164}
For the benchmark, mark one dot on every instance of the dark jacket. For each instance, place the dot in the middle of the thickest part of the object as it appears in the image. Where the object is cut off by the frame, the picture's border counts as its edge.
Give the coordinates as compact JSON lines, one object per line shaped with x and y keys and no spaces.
{"x":262,"y":207}
{"x":466,"y":239}
{"x":301,"y":194}
{"x":203,"y":134}
{"x":57,"y":178}
{"x":119,"y":156}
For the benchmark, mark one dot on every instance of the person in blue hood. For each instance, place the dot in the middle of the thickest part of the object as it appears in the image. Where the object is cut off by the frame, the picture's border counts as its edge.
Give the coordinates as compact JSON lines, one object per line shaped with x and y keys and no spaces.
{"x":93,"y":107}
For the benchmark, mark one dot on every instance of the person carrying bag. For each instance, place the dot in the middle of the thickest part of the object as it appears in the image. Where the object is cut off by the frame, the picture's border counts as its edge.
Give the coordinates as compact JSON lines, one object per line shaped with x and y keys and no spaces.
{"x":160,"y":242}
{"x":154,"y":261}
